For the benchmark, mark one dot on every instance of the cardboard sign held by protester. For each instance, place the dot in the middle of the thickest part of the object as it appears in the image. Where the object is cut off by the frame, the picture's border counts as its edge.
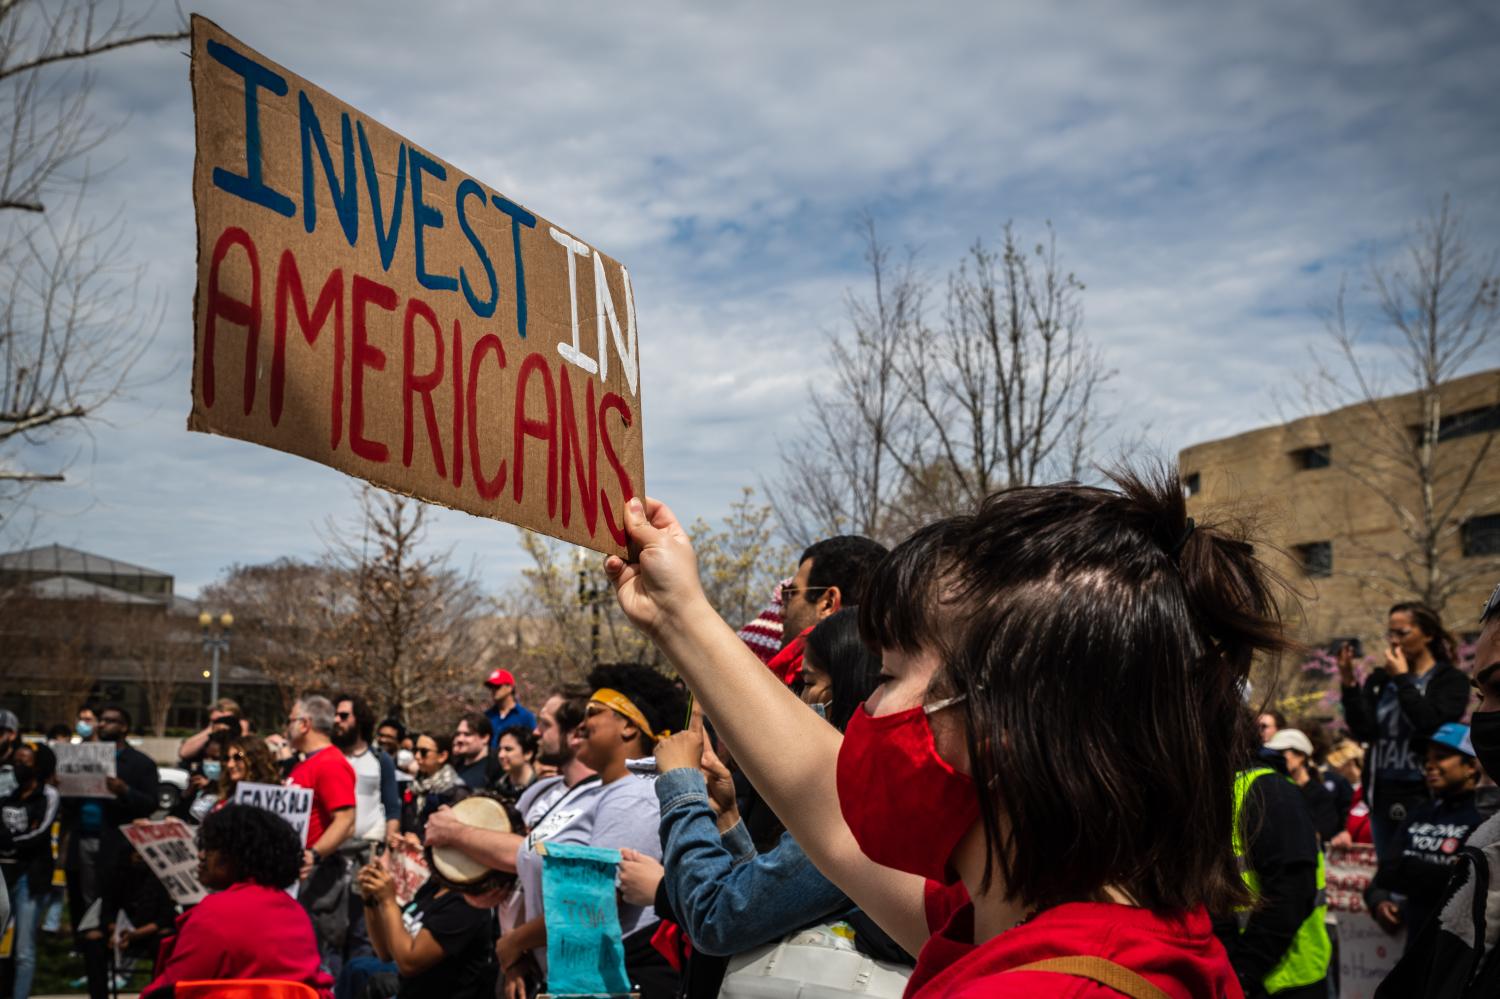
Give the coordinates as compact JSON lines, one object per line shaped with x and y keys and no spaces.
{"x":169,"y":849}
{"x":84,"y":768}
{"x":292,"y":803}
{"x":369,"y":306}
{"x":585,"y":955}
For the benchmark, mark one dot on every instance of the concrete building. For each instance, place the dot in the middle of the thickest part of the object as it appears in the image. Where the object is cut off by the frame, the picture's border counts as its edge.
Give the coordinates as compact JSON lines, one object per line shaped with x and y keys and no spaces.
{"x":75,"y":626}
{"x":1331,"y":492}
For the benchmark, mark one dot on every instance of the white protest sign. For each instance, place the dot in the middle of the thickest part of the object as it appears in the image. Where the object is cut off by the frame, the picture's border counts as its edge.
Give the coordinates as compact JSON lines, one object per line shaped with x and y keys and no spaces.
{"x":83,"y":769}
{"x":1367,"y":952}
{"x":170,"y":851}
{"x":292,"y":803}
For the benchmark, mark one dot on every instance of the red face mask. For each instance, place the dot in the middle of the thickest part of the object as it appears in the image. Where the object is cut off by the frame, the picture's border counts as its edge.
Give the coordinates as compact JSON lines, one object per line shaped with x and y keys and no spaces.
{"x":906,"y":806}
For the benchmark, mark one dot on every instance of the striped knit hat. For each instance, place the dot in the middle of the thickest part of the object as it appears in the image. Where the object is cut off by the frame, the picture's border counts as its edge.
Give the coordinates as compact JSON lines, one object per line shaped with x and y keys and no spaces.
{"x":763,"y":634}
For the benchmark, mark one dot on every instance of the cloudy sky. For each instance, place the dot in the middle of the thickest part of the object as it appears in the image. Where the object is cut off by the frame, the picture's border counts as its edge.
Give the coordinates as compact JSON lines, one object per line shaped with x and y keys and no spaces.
{"x":1211,"y":174}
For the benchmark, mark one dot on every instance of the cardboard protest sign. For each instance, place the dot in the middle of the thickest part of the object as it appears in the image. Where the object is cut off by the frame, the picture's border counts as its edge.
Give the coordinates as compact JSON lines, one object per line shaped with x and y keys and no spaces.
{"x":369,"y":306}
{"x":584,"y":953}
{"x":83,"y":768}
{"x":292,"y":803}
{"x":1367,"y":952}
{"x":170,"y":851}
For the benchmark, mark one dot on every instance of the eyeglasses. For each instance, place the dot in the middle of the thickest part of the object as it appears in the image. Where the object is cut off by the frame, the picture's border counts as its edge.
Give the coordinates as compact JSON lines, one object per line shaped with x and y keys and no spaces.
{"x":422,"y":752}
{"x":788,"y":591}
{"x":1491,"y":606}
{"x":343,"y":715}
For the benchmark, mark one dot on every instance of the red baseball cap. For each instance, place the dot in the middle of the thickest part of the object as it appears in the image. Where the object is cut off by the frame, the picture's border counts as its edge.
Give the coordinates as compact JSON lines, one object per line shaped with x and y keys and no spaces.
{"x":501,"y":677}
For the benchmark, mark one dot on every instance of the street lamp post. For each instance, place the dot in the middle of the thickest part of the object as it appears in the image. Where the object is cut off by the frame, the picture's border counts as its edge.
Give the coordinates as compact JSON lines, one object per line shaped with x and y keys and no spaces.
{"x":215,"y":642}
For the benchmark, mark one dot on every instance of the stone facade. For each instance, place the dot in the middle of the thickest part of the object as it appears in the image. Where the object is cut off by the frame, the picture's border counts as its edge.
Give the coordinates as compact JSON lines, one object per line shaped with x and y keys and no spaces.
{"x":1328,"y":493}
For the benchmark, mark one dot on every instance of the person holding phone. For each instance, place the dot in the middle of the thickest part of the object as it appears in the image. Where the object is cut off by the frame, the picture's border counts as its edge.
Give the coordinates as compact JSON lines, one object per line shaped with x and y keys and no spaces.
{"x":1411,"y":695}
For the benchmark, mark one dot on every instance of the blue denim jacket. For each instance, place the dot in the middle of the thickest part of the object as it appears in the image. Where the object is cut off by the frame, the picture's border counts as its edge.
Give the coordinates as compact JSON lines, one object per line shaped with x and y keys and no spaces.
{"x":728,"y":898}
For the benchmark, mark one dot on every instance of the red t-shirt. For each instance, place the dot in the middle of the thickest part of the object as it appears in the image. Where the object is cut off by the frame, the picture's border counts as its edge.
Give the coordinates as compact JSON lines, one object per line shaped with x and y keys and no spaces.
{"x":212,"y":941}
{"x":1178,"y":954}
{"x":330,"y":778}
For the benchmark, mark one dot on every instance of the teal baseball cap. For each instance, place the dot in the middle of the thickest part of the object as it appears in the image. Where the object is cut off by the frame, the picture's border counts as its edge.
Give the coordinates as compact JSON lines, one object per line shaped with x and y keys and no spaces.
{"x":1454,"y":736}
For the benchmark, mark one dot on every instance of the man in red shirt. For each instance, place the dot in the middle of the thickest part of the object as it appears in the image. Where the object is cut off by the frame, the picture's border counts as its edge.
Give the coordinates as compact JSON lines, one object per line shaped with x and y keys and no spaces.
{"x":327,"y":775}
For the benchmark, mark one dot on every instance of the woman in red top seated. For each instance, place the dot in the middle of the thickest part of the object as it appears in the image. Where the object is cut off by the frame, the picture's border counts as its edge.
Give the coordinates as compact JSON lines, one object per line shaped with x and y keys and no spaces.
{"x":249,"y":927}
{"x":1053,"y":737}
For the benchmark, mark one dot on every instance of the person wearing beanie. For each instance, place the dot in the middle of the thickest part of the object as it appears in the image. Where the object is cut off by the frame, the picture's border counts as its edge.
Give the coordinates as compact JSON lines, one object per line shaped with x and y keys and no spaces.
{"x":505,"y":711}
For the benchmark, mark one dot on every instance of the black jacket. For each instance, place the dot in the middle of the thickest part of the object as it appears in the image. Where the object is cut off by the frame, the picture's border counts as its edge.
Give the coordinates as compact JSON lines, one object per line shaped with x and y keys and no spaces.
{"x":1430,"y":840}
{"x":1444,"y":700}
{"x":1448,"y":959}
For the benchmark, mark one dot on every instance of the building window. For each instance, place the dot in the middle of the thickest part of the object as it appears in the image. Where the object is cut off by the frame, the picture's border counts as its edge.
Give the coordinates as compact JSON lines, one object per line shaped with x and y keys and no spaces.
{"x":1316,"y":558}
{"x":1313,"y":457}
{"x":1481,"y":535}
{"x":1484,"y":420}
{"x":1192,"y":483}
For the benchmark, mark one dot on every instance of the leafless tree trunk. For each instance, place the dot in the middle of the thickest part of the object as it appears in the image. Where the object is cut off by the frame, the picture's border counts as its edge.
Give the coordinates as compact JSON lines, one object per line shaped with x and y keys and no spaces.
{"x":1007,"y":386}
{"x":72,"y":325}
{"x":837,"y":476}
{"x":923,"y":421}
{"x":1439,"y":314}
{"x":415,"y":640}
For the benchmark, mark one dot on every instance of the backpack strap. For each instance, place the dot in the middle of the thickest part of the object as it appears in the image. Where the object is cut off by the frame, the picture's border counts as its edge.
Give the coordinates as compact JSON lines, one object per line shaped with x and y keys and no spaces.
{"x":1101,"y":970}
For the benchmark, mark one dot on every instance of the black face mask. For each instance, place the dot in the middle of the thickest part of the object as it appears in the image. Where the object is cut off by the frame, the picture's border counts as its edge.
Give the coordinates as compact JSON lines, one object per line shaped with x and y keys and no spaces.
{"x":1484,"y":733}
{"x":25,"y":774}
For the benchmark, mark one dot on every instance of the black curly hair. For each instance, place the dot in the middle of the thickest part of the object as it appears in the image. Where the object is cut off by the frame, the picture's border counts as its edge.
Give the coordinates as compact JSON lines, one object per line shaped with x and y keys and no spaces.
{"x":261,"y":846}
{"x":663,"y":704}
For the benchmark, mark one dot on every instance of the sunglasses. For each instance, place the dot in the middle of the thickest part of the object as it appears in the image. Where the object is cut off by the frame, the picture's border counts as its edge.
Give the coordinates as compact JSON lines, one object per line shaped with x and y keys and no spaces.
{"x":422,"y":752}
{"x":238,"y":758}
{"x":343,"y":715}
{"x":788,"y":591}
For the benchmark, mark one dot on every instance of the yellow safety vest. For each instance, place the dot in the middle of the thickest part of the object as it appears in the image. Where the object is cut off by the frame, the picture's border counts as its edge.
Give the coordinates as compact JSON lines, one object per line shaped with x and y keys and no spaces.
{"x":1306,"y":960}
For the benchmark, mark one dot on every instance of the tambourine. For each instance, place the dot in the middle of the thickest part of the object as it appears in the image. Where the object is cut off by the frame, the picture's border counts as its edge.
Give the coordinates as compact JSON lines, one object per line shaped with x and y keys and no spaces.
{"x":457,"y":870}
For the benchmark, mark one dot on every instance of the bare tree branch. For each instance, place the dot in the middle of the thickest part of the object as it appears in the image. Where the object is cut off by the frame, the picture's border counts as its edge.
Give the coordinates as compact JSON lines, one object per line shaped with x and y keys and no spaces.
{"x":1438,"y":314}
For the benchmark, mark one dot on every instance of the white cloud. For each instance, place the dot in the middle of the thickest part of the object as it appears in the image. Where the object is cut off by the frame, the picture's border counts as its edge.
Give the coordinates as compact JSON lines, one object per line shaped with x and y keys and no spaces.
{"x":1210,"y":172}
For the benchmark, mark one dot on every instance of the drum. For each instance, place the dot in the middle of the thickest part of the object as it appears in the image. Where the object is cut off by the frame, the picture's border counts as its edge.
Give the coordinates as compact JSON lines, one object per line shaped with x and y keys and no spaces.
{"x":456,"y":869}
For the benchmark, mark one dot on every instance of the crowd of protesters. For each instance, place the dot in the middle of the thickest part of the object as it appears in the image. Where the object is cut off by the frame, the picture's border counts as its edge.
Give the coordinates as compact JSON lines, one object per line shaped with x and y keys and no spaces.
{"x":1015,"y":755}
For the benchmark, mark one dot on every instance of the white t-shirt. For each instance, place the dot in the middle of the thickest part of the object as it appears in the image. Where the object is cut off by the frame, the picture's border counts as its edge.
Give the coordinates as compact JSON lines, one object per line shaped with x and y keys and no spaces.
{"x":624,"y":814}
{"x":369,"y":810}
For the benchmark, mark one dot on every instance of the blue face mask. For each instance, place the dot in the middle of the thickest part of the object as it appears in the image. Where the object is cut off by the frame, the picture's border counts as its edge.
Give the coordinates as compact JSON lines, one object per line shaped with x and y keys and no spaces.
{"x":84,"y":729}
{"x":212,"y":769}
{"x":821,"y":710}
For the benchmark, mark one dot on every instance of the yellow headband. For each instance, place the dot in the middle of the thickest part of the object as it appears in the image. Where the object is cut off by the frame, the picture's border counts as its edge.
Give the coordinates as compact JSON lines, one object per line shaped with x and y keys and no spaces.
{"x":616,"y":701}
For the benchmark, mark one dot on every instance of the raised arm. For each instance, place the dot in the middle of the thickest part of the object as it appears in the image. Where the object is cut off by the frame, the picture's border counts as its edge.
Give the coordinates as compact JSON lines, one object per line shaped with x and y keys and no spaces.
{"x":757,"y":716}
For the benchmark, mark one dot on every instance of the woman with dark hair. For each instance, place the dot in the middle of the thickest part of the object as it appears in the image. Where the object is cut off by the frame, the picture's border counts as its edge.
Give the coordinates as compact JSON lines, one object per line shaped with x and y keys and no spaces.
{"x":517,"y":753}
{"x":838,"y":670}
{"x":26,"y":817}
{"x":437,"y":784}
{"x":249,"y":927}
{"x":1039,"y":797}
{"x":248,"y":759}
{"x":630,"y":707}
{"x":1416,"y":692}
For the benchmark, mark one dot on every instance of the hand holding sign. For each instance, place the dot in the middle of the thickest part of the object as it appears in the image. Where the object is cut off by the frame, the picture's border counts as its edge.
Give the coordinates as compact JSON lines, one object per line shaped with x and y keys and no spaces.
{"x":585,"y":955}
